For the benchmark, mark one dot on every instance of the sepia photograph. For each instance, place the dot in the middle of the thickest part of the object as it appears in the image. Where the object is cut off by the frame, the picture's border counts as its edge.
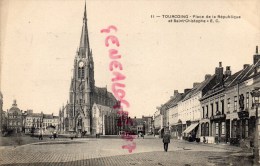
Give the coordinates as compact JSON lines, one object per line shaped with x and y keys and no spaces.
{"x":129,"y":82}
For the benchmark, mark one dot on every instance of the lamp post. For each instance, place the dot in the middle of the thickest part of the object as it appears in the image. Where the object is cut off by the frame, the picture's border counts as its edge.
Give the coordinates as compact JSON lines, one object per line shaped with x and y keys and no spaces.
{"x":255,"y":95}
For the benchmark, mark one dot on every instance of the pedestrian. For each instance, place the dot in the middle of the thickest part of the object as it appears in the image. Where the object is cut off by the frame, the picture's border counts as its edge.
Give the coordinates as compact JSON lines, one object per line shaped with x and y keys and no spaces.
{"x":40,"y":136}
{"x":166,"y":140}
{"x":190,"y":137}
{"x":54,"y":135}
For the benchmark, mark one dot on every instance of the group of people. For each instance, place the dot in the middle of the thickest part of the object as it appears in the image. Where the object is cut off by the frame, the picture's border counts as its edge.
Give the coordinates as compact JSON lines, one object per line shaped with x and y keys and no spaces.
{"x":54,"y":135}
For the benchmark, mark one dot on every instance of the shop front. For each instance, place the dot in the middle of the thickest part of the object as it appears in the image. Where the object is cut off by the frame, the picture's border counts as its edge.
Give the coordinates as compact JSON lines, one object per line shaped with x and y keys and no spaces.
{"x":218,"y":122}
{"x":190,"y":133}
{"x":174,"y":131}
{"x":241,"y":126}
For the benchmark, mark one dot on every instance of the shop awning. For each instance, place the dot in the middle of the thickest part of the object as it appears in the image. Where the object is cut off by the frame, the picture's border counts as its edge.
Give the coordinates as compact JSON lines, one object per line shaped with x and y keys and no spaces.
{"x":190,"y":128}
{"x":160,"y":130}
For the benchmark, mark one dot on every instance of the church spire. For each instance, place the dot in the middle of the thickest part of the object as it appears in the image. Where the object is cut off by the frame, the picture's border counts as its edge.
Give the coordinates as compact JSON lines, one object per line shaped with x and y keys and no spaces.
{"x":85,"y":12}
{"x":84,"y":49}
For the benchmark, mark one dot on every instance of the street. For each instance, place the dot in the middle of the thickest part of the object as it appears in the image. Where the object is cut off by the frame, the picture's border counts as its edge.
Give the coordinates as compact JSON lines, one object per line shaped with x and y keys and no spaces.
{"x":108,"y":151}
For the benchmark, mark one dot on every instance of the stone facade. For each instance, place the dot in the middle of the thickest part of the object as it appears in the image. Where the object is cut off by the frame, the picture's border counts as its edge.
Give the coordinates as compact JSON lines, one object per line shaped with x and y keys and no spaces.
{"x":219,"y":109}
{"x":228,"y":114}
{"x":14,"y":118}
{"x":104,"y":120}
{"x":34,"y":122}
{"x":148,"y":126}
{"x":158,"y":118}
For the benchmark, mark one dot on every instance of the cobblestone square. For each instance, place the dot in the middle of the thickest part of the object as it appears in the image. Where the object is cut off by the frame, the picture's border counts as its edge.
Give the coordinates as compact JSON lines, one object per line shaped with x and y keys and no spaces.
{"x":105,"y":151}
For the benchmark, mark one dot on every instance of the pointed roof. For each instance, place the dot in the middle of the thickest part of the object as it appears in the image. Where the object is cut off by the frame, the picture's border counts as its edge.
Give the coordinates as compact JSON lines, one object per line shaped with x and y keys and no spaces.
{"x":103,"y":107}
{"x":103,"y":92}
{"x":200,"y":87}
{"x":84,"y":48}
{"x":175,"y":100}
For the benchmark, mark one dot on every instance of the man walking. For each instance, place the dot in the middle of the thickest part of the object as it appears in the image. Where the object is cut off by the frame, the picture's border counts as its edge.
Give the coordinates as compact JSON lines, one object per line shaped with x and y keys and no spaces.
{"x":166,"y":140}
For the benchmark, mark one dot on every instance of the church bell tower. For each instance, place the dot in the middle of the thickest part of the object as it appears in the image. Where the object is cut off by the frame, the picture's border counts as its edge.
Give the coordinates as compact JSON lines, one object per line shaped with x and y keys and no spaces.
{"x":82,"y":84}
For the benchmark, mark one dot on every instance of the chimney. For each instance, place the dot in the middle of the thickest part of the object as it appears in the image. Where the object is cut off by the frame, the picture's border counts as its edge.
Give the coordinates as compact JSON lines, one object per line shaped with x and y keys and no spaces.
{"x":195,"y":84}
{"x":186,"y":90}
{"x":175,"y":92}
{"x":219,"y":72}
{"x":245,"y":66}
{"x":207,"y":76}
{"x":228,"y":71}
{"x":256,"y":56}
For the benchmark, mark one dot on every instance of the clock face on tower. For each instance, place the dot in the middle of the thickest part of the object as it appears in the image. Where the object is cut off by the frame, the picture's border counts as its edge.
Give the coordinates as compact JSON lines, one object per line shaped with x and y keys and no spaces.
{"x":81,"y":64}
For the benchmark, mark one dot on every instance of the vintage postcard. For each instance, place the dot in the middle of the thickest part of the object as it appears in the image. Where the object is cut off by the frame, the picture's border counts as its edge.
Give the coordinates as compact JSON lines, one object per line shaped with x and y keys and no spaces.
{"x":129,"y":82}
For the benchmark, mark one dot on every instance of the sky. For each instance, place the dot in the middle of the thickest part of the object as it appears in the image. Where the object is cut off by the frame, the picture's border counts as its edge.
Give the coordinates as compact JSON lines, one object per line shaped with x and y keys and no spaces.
{"x":39,"y":40}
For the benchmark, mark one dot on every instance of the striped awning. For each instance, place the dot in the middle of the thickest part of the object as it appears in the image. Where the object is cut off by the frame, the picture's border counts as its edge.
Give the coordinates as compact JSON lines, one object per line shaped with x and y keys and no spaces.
{"x":190,"y":128}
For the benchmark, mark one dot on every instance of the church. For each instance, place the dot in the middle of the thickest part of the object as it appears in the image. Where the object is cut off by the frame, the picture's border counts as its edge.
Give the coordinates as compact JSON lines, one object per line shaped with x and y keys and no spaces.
{"x":77,"y":116}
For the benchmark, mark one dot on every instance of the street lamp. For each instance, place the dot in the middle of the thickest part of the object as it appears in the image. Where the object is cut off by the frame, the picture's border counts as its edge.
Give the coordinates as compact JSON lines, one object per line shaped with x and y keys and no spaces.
{"x":255,"y":95}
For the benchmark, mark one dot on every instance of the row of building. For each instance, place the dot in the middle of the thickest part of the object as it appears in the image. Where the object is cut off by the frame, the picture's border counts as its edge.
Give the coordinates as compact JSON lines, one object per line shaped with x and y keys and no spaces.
{"x":18,"y":121}
{"x":105,"y":121}
{"x":218,"y":109}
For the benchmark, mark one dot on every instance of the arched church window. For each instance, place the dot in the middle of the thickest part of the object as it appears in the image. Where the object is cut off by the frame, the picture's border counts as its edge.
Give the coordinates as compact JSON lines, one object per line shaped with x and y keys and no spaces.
{"x":79,"y":122}
{"x":81,"y":73}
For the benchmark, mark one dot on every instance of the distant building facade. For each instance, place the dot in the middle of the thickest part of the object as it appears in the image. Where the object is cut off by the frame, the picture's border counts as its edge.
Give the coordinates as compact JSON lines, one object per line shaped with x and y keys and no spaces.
{"x":40,"y":121}
{"x":174,"y":120}
{"x":158,"y":121}
{"x":148,"y":124}
{"x":33,"y":122}
{"x":14,"y":118}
